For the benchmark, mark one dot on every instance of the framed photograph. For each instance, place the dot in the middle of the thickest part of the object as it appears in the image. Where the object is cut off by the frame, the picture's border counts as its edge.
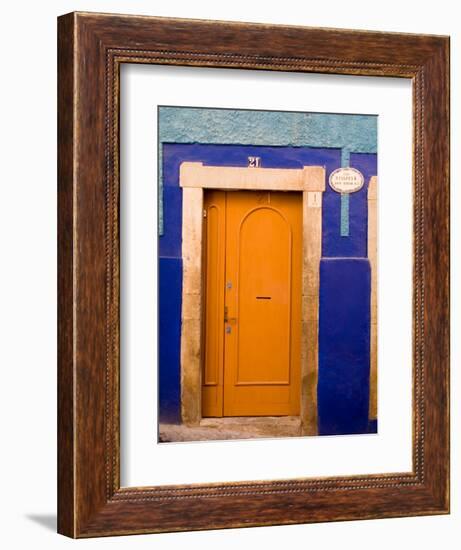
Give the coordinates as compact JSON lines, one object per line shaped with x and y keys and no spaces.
{"x":253,"y":259}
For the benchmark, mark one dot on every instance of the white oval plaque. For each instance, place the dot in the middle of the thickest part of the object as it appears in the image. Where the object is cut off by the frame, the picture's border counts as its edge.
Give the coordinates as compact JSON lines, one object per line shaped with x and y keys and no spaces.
{"x":346,"y":180}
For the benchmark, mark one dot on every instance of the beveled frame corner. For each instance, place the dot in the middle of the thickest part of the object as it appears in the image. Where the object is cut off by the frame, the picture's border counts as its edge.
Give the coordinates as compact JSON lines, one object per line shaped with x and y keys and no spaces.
{"x":91,"y":48}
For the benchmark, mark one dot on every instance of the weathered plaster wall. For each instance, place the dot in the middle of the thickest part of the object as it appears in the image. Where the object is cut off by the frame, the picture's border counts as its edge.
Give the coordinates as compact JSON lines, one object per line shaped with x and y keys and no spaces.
{"x":357,"y":133}
{"x":344,"y":311}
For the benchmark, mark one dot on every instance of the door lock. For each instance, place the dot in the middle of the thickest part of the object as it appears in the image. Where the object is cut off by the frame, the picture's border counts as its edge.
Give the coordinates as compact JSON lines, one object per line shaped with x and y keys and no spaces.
{"x":228,"y":319}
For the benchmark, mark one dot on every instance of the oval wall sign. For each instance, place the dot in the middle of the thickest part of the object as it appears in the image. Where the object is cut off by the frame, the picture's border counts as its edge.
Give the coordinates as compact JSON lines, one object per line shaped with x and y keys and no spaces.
{"x":346,"y":180}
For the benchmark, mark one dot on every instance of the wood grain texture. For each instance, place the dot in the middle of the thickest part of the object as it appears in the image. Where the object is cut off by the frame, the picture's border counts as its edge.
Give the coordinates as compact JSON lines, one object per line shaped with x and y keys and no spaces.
{"x":91,"y":48}
{"x":66,"y":297}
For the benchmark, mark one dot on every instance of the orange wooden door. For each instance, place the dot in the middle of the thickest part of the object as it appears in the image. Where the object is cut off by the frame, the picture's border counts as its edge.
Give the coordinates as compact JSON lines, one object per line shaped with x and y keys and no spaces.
{"x":253,"y":304}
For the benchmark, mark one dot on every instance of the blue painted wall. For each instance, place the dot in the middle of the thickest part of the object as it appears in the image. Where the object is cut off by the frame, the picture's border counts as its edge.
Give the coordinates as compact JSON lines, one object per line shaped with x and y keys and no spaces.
{"x":169,"y":328}
{"x":344,"y":346}
{"x":343,"y":390}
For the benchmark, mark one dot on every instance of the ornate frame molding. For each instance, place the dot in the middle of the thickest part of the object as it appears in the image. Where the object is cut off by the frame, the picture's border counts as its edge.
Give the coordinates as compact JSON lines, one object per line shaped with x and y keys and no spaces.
{"x":91,"y":501}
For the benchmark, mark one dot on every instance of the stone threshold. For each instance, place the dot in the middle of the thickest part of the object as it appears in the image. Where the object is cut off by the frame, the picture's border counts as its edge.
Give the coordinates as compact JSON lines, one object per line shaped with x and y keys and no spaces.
{"x":236,"y":427}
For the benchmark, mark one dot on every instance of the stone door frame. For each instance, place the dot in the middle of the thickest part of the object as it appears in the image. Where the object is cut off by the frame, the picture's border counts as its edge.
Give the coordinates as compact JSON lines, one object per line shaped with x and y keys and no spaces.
{"x":194,"y":177}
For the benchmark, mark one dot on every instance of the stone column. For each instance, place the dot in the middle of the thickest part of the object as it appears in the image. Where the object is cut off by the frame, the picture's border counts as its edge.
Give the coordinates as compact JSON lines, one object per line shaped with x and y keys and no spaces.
{"x":191,"y":369}
{"x":314,"y":186}
{"x":373,"y":259}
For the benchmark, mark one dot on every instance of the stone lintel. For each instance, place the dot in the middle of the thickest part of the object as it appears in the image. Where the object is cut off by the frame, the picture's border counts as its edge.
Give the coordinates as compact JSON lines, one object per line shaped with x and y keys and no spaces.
{"x":308,"y":178}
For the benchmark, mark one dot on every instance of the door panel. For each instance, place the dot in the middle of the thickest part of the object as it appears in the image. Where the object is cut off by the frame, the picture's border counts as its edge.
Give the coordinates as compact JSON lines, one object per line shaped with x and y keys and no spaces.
{"x":261,"y":327}
{"x":215,"y":244}
{"x":263,"y":279}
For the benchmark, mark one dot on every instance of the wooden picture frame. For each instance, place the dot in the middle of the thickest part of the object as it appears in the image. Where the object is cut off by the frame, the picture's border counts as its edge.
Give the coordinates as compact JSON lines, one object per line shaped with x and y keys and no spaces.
{"x":91,"y":49}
